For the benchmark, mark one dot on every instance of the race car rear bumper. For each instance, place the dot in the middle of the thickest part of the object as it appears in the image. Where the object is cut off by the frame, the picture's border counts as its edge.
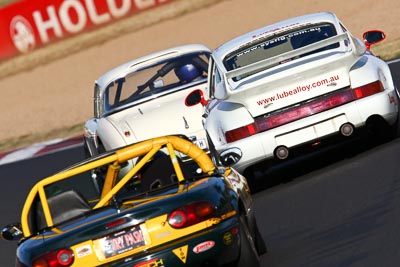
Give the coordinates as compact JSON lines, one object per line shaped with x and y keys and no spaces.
{"x":263,"y":146}
{"x":213,"y":247}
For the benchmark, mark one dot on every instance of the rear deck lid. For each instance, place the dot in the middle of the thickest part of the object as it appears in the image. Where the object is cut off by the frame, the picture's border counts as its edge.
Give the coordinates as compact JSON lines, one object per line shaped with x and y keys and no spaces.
{"x":274,"y":91}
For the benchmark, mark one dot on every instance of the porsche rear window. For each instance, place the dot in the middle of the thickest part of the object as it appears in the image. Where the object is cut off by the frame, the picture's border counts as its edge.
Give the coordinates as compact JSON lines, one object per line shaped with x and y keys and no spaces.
{"x":279,"y":44}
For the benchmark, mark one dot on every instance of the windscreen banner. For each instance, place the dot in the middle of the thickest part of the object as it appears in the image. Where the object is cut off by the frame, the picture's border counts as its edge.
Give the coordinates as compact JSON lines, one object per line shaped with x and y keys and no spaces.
{"x":29,"y":24}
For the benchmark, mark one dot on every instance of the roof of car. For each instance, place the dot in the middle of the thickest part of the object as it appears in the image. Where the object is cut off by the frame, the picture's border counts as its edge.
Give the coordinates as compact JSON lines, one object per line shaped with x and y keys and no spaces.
{"x":222,"y":51}
{"x":149,"y":59}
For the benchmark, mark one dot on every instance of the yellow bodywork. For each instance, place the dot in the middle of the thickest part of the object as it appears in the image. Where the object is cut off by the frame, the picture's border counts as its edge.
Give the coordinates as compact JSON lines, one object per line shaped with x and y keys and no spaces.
{"x":155,"y":231}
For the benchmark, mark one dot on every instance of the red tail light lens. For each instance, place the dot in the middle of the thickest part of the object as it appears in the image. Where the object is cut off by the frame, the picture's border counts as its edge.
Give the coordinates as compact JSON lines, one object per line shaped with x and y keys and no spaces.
{"x":368,"y":89}
{"x":342,"y":97}
{"x":191,"y":214}
{"x":60,"y":258}
{"x":240,"y":133}
{"x":306,"y":110}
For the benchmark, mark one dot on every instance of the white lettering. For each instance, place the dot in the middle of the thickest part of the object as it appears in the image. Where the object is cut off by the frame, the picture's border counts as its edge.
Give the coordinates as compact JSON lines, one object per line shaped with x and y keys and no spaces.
{"x":118,"y":12}
{"x":66,"y":19}
{"x":94,"y":16}
{"x":72,"y":15}
{"x":142,"y":4}
{"x":51,"y":23}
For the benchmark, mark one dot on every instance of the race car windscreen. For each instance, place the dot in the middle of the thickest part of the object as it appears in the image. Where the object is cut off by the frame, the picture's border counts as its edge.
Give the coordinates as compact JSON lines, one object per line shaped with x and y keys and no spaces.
{"x":279,"y":44}
{"x":159,"y":79}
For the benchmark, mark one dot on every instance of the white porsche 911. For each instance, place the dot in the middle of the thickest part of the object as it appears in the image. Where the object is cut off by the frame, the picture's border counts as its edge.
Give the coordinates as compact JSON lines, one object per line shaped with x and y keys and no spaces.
{"x":145,"y":98}
{"x":295,"y":83}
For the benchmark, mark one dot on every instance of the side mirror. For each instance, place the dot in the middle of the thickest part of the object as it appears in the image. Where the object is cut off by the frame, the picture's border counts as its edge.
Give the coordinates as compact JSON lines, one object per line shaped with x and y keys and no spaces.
{"x":373,"y":37}
{"x":194,"y":98}
{"x":12,"y":232}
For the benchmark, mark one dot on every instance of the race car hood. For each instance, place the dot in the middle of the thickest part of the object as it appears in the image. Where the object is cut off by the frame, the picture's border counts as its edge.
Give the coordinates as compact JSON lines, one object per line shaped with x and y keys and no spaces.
{"x":166,"y":115}
{"x":294,"y":83}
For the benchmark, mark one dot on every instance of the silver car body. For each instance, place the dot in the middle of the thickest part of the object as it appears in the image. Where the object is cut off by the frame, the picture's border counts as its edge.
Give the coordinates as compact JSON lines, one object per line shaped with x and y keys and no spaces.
{"x":143,"y":98}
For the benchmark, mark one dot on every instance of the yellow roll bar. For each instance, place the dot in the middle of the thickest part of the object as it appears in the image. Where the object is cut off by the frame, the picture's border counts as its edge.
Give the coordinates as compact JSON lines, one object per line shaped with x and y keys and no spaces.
{"x":147,"y":149}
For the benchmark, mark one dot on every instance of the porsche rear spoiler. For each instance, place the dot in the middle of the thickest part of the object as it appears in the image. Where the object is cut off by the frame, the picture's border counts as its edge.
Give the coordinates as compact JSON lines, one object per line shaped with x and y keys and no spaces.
{"x":267,"y":63}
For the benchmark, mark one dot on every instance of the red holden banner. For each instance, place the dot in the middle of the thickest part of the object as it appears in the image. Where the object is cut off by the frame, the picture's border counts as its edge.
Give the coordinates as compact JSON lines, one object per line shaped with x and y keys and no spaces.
{"x":29,"y":24}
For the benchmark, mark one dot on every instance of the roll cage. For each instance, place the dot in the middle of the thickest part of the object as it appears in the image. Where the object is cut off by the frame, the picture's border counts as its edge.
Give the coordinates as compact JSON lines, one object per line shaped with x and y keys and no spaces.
{"x":41,"y":196}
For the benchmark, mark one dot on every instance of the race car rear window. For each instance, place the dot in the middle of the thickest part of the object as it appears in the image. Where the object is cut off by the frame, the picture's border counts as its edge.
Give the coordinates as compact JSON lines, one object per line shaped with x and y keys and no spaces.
{"x":279,"y":44}
{"x":152,"y":81}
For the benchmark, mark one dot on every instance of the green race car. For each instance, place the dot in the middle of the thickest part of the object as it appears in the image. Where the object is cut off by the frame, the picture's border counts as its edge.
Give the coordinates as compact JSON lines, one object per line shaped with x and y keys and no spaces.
{"x":162,"y":212}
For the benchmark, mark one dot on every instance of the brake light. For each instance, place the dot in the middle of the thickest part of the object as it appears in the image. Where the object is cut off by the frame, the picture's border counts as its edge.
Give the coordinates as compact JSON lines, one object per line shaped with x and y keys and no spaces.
{"x":191,"y":214}
{"x":116,"y":223}
{"x":305,"y":110}
{"x":301,"y":111}
{"x":240,"y":133}
{"x":368,"y":89}
{"x":59,"y":258}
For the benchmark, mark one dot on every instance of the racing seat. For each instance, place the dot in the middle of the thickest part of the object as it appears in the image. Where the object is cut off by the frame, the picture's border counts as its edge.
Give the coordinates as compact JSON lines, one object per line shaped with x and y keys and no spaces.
{"x":63,"y":206}
{"x":160,"y":172}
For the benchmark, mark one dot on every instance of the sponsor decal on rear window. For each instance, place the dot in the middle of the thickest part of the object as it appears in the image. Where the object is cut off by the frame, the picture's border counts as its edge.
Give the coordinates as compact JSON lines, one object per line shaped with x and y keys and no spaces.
{"x":299,"y":89}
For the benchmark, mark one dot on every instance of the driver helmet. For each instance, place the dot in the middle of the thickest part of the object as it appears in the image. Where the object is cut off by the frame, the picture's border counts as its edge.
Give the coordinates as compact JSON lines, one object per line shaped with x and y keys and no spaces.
{"x":187,"y":73}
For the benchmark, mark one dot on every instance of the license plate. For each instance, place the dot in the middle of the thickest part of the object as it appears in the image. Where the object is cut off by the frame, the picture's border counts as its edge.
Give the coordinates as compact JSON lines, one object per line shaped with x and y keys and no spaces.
{"x":122,"y":241}
{"x":201,"y":143}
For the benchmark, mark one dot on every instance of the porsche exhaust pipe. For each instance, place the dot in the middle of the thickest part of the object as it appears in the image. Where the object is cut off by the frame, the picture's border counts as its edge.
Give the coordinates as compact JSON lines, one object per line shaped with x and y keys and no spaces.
{"x":281,"y":152}
{"x":346,"y":129}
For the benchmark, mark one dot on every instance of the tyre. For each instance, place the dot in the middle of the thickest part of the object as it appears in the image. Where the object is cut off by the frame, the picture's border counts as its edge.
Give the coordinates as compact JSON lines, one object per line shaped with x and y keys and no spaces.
{"x":396,"y":126}
{"x":378,"y":130}
{"x":213,"y":152}
{"x":259,"y":240}
{"x":248,"y":252}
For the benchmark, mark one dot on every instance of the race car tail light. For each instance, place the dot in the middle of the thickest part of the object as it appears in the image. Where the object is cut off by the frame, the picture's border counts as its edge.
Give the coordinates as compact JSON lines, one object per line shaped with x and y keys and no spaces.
{"x":368,"y":89}
{"x":191,"y":214}
{"x":240,"y":133}
{"x":59,"y":258}
{"x":291,"y":114}
{"x":304,"y":110}
{"x":116,"y":223}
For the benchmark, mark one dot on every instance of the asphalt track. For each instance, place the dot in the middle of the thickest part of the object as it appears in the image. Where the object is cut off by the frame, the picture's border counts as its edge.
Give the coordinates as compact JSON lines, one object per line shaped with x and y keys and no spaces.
{"x":339,"y":207}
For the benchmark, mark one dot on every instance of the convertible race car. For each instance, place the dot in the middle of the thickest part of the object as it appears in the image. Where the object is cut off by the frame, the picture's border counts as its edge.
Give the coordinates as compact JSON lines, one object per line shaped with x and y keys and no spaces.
{"x":163,"y":212}
{"x":295,"y":84}
{"x":144,"y":98}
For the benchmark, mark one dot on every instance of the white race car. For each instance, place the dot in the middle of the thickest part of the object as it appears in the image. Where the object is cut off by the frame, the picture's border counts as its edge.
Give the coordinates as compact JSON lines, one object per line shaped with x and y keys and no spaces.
{"x":145,"y":98}
{"x":292,"y":84}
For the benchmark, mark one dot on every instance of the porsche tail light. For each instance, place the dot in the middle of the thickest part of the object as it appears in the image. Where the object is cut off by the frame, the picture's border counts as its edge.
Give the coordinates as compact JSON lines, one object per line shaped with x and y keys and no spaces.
{"x":240,"y":133}
{"x":368,"y":89}
{"x":303,"y":110}
{"x":191,"y":214}
{"x":59,"y":258}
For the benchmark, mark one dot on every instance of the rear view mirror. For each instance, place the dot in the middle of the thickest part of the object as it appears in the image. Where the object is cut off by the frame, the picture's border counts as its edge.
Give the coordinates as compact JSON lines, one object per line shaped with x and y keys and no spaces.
{"x":373,"y":37}
{"x":12,"y":232}
{"x":194,"y":98}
